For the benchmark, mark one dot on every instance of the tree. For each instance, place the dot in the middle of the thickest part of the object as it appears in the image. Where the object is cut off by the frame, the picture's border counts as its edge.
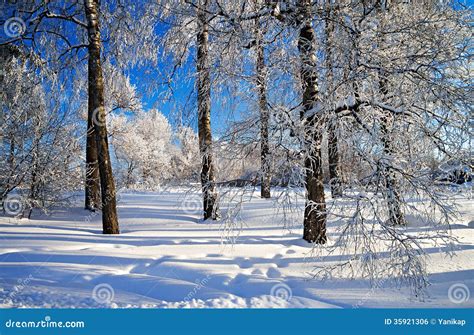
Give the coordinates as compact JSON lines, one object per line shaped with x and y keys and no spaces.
{"x":260,"y":71}
{"x":143,"y":149}
{"x":38,"y":136}
{"x":315,"y":208}
{"x":399,"y":99}
{"x":92,"y":196}
{"x":186,"y":160}
{"x":333,"y":149}
{"x":60,"y":33}
{"x":96,"y":111}
{"x":300,"y":14}
{"x":204,"y":114}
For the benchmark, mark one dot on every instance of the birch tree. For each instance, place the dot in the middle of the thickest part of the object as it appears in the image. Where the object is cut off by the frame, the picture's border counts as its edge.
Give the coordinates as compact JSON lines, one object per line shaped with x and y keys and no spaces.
{"x":60,"y":34}
{"x":96,"y":116}
{"x":315,"y":209}
{"x":400,"y":88}
{"x":332,"y":136}
{"x":261,"y":78}
{"x":210,"y":205}
{"x":38,"y":133}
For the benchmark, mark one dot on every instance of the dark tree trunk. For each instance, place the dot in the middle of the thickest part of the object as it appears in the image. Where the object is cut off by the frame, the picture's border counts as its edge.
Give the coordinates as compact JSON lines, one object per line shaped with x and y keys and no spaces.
{"x":260,"y":70}
{"x":92,"y":183}
{"x":96,"y":108}
{"x":204,"y":115}
{"x":392,"y":193}
{"x":315,"y":207}
{"x":333,"y":150}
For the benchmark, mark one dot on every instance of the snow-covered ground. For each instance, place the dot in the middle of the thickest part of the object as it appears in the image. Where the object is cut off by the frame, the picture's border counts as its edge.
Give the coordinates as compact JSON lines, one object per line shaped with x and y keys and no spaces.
{"x":166,"y":257}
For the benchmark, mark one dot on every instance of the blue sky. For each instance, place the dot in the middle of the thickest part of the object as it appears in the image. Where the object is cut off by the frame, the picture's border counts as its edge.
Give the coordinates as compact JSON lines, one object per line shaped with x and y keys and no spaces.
{"x":142,"y":78}
{"x":183,"y":89}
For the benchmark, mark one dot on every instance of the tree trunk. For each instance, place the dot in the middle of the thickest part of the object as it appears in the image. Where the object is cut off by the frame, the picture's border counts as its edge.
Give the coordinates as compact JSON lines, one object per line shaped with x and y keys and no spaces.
{"x":260,"y":70}
{"x":391,"y":190}
{"x":315,"y":207}
{"x":392,"y":194}
{"x":92,"y":183}
{"x":333,"y":155}
{"x":35,"y":169}
{"x":11,"y":161}
{"x":204,"y":115}
{"x":130,"y":169}
{"x":96,"y":108}
{"x":333,"y":150}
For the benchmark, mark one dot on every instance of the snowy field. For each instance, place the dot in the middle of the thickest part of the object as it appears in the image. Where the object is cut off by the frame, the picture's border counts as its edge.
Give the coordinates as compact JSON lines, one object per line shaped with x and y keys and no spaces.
{"x":166,"y":257}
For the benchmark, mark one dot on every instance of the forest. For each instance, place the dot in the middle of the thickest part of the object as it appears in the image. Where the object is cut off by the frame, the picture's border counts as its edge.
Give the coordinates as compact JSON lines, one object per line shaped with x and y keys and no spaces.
{"x":236,"y":153}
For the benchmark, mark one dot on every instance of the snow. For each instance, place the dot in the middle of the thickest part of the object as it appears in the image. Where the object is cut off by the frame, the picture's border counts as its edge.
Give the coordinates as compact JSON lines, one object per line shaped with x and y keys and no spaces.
{"x":166,"y":257}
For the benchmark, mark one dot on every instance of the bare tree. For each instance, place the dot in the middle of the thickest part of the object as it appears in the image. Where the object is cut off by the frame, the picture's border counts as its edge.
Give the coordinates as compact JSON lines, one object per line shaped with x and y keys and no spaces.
{"x":204,"y":114}
{"x":38,"y":144}
{"x":96,"y":109}
{"x":315,"y":208}
{"x":387,"y":120}
{"x":333,"y":149}
{"x":260,"y":71}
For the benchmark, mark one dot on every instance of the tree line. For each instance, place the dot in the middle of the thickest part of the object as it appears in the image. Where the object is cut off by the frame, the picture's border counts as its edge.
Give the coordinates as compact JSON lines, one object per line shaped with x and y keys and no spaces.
{"x":381,"y":89}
